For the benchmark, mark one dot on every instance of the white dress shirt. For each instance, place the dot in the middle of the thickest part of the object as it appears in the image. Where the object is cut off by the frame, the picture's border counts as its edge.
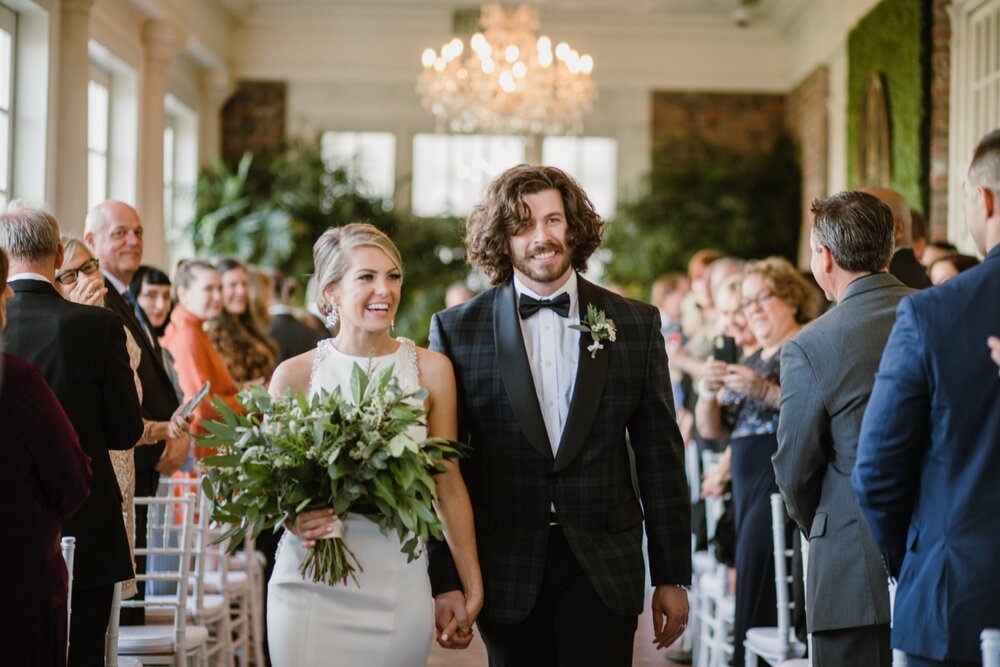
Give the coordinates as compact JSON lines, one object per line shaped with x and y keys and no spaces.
{"x":28,"y":275}
{"x":553,"y":351}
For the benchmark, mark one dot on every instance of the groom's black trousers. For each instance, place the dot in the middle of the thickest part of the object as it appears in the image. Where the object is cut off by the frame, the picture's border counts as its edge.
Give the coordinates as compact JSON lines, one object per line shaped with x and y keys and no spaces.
{"x":569,"y":625}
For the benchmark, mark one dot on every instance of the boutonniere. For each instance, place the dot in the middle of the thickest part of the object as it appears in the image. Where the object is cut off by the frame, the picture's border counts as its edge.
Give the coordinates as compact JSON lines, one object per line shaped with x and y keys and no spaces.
{"x":599,"y":327}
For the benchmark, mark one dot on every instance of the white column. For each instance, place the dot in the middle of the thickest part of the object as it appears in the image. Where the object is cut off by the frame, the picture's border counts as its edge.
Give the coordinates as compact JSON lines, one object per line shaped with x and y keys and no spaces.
{"x":162,"y":41}
{"x":215,"y":88}
{"x":69,"y":202}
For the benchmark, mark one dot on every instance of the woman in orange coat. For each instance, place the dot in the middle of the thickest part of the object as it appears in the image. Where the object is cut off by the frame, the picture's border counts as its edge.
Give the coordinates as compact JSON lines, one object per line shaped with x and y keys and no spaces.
{"x":199,"y":298}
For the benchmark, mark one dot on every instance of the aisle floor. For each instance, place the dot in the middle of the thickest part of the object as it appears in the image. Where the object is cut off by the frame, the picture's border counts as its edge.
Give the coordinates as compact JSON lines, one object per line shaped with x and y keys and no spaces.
{"x":644,"y":654}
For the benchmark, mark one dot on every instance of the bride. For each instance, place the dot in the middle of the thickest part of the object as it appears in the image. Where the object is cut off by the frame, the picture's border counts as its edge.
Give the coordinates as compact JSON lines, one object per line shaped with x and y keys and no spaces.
{"x":388,"y":620}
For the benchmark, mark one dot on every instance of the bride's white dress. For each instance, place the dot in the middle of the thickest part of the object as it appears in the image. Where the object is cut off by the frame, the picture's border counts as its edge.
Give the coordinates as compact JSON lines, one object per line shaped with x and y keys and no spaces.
{"x":388,"y":621}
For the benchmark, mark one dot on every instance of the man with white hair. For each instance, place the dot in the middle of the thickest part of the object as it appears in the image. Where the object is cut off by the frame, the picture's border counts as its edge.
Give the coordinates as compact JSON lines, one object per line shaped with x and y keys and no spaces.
{"x":904,"y":265}
{"x":80,"y":350}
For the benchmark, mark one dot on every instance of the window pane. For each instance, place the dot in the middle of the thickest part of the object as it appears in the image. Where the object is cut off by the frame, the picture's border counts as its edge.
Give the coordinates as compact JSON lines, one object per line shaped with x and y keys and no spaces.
{"x":97,"y":179}
{"x":4,"y":150}
{"x":97,"y":117}
{"x":593,"y":162}
{"x":6,"y":62}
{"x":369,"y":157}
{"x":450,"y":172}
{"x":168,"y":154}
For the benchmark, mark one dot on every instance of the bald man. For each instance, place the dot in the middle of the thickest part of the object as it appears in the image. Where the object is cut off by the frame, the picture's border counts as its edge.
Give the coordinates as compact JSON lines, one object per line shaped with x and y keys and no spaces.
{"x":904,"y":265}
{"x":113,"y":232}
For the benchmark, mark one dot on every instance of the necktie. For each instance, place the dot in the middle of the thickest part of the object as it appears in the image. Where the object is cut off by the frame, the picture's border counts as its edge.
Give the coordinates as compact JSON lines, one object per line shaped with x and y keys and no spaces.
{"x":127,"y":294}
{"x":528,"y":306}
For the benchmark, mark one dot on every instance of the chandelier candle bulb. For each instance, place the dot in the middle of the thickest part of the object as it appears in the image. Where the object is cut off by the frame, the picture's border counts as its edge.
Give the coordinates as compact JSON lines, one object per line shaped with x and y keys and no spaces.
{"x":533,"y":90}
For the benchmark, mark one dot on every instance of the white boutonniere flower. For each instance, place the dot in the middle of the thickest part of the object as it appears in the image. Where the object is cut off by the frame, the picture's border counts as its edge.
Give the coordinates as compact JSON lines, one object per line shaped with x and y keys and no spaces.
{"x":599,"y":327}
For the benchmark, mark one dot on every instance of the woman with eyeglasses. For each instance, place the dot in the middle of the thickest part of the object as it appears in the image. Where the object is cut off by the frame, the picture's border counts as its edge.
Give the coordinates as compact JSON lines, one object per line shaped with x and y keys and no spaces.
{"x":742,"y":401}
{"x":79,"y":280}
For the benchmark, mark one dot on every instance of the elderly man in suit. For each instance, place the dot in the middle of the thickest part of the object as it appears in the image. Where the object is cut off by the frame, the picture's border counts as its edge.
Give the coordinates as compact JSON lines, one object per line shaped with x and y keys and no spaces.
{"x":827,"y":371}
{"x":930,"y":447}
{"x":546,"y":408}
{"x":113,"y":232}
{"x":904,"y":264}
{"x":80,"y":350}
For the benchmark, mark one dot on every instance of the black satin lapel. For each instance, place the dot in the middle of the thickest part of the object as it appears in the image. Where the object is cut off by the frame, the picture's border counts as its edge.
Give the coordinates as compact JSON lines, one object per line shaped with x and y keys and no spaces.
{"x":516,"y":372}
{"x":589,"y":386}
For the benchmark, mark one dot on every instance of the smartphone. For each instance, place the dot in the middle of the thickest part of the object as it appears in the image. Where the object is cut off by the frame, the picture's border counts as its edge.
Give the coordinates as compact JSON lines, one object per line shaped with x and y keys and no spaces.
{"x":198,"y":398}
{"x":724,"y":349}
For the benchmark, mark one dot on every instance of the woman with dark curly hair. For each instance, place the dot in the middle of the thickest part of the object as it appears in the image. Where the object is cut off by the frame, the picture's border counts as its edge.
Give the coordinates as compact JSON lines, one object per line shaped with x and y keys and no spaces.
{"x":504,"y":214}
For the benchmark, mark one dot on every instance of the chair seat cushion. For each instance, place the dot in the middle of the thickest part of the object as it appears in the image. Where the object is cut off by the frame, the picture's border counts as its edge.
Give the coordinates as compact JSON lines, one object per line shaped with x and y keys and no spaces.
{"x":236,"y":582}
{"x":212,"y":607}
{"x":767,"y":642}
{"x":157,"y":639}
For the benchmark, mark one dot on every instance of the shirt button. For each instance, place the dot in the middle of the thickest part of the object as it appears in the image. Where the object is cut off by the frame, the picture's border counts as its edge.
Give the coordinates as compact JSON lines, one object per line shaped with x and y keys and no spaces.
{"x":546,"y":327}
{"x":551,"y":404}
{"x":549,"y":364}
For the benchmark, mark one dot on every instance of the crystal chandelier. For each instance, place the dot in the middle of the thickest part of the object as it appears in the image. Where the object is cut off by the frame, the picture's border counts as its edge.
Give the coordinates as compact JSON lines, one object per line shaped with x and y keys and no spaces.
{"x":508,"y":81}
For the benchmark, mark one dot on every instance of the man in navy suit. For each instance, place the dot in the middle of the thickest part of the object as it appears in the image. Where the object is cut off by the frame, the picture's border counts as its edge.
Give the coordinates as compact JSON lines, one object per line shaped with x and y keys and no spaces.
{"x":929,"y":452}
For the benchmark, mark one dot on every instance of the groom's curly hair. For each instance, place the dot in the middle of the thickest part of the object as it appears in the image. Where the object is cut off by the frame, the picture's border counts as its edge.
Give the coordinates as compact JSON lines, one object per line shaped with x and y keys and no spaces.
{"x":502,"y":213}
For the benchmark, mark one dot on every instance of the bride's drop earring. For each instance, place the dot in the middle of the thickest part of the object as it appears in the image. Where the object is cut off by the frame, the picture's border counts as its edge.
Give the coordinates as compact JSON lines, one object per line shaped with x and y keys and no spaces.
{"x":392,"y":326}
{"x":332,"y":318}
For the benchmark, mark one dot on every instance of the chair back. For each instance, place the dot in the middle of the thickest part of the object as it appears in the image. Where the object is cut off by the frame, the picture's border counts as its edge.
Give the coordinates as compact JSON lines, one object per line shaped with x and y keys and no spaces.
{"x":990,"y":638}
{"x":201,"y":547}
{"x":782,"y":570}
{"x":169,"y":533}
{"x":68,"y":545}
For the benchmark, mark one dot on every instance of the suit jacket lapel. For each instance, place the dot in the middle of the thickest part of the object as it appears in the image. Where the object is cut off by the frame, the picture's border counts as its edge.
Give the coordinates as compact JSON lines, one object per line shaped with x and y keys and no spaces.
{"x":515,"y":370}
{"x":589,"y":385}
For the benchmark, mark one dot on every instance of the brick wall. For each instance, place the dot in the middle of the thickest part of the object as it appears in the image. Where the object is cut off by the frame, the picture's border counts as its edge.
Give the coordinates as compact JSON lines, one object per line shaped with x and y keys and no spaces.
{"x":808,"y":122}
{"x":746,"y":123}
{"x":254,"y":120}
{"x":940,"y":56}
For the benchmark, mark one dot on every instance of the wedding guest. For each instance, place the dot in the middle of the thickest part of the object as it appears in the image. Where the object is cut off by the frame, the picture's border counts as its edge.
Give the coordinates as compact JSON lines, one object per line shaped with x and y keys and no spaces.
{"x":950,"y":266}
{"x":80,"y":350}
{"x":546,"y":408}
{"x":199,"y":299}
{"x":930,"y":447}
{"x":918,"y":235}
{"x":827,"y":371}
{"x":113,"y":232}
{"x":152,"y":289}
{"x":236,"y":332}
{"x":935,"y":251}
{"x":457,"y":294}
{"x":742,"y":401}
{"x":904,"y":264}
{"x":291,"y":334}
{"x":48,"y":479}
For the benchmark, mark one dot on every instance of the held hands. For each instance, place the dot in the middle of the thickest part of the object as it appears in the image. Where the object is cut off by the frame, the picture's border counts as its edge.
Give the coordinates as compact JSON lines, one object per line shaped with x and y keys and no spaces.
{"x":454,"y":615}
{"x":670,"y":614}
{"x":315,"y":524}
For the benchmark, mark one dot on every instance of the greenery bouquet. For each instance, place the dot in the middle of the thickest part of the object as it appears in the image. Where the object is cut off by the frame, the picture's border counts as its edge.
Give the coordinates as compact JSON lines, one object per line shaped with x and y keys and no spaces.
{"x":351,"y":453}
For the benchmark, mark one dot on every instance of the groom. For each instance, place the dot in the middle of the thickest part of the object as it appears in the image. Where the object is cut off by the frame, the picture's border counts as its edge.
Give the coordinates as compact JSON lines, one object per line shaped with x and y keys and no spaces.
{"x":548,"y":414}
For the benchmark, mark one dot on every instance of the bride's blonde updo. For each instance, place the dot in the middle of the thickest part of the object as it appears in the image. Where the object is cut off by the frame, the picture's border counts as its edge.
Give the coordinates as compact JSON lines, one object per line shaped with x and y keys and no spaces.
{"x":332,"y":254}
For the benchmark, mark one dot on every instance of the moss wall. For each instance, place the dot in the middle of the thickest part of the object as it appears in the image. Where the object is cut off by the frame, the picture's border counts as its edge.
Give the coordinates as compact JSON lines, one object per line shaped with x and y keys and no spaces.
{"x":891,"y":40}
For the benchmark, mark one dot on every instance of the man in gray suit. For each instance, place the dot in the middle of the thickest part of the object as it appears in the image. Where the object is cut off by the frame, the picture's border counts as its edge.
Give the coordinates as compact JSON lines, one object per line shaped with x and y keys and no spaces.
{"x":827,"y":372}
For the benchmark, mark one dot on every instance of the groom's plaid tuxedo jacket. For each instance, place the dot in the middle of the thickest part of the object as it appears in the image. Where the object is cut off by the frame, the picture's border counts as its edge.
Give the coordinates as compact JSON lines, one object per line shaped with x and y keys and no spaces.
{"x":513,"y":478}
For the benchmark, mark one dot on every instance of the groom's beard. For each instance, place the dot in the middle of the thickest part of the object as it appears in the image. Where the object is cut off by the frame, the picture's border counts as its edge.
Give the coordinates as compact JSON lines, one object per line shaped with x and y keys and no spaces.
{"x":543,"y":274}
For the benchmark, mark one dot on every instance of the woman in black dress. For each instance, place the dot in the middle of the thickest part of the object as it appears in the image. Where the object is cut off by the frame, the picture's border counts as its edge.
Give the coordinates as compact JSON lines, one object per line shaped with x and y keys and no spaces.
{"x":742,"y":400}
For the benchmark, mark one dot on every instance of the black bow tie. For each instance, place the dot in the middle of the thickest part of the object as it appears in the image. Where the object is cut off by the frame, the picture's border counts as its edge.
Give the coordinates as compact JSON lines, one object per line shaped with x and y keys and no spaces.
{"x":527,"y":306}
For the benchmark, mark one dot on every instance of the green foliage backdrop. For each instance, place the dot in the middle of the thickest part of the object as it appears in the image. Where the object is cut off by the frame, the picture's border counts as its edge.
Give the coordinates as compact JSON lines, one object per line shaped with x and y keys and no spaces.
{"x":891,"y":40}
{"x":748,"y":205}
{"x":271,"y":213}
